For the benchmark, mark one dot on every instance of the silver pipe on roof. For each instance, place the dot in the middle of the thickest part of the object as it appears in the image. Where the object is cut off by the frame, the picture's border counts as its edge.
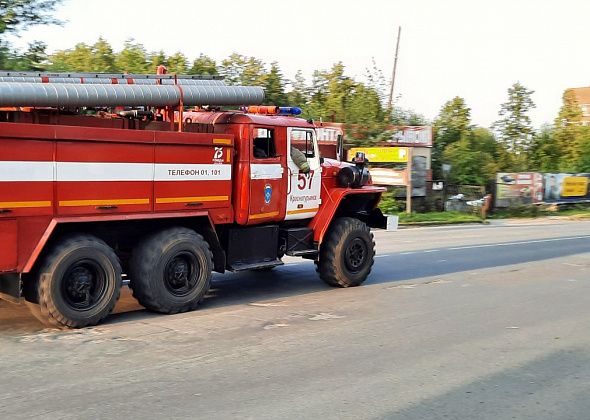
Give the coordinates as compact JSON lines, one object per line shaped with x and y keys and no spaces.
{"x":104,"y":95}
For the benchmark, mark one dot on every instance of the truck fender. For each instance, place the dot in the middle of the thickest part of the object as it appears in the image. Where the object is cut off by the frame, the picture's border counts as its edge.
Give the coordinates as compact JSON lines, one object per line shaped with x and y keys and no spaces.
{"x":205,"y":226}
{"x":331,"y":207}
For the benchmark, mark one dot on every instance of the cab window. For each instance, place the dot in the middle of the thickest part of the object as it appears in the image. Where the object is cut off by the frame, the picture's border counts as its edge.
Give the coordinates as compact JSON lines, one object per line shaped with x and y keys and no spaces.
{"x":263,"y":145}
{"x":303,"y":140}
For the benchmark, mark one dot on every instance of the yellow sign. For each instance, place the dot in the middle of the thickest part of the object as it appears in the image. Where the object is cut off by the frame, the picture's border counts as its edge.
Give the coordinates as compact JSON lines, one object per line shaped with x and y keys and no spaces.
{"x":574,"y":186}
{"x":381,"y":154}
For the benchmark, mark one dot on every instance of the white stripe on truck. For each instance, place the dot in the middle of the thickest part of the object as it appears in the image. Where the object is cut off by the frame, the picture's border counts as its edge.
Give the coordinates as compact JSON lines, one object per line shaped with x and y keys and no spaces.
{"x":17,"y":171}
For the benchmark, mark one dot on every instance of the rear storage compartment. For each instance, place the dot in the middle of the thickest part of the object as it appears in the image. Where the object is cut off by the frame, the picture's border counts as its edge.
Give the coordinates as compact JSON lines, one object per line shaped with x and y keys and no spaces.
{"x":8,"y":245}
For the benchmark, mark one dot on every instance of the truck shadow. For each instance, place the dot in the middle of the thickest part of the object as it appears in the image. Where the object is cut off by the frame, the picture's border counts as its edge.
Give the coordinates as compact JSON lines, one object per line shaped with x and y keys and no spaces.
{"x":299,"y":279}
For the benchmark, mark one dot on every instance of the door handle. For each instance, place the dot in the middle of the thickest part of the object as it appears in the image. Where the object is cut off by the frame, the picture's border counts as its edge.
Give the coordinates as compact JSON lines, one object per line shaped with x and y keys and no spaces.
{"x":289,"y":180}
{"x":109,"y":207}
{"x":193,"y":204}
{"x":5,"y":211}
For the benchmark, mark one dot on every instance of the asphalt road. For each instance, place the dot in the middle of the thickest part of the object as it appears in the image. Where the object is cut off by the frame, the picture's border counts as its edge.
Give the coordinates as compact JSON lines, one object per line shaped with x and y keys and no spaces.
{"x":472,"y":322}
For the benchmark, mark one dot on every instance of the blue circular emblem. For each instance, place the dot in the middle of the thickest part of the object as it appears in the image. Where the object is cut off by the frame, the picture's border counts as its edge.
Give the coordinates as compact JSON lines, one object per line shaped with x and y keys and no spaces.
{"x":267,"y":193}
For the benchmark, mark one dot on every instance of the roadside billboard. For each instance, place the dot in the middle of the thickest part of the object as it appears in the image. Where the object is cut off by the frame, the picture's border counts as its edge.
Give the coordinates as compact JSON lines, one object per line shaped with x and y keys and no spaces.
{"x":513,"y":188}
{"x":566,"y":187}
{"x":518,"y":188}
{"x":381,"y":154}
{"x":411,"y":136}
{"x":388,"y":176}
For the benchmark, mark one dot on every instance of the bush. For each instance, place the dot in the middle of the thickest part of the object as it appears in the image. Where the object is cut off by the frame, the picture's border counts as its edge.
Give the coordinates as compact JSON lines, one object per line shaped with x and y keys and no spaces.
{"x":388,"y":203}
{"x":519,"y":210}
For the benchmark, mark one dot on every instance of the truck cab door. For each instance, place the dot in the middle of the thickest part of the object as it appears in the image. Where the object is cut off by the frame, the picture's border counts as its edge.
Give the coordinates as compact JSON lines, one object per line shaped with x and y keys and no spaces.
{"x":303,"y":189}
{"x":266,"y":176}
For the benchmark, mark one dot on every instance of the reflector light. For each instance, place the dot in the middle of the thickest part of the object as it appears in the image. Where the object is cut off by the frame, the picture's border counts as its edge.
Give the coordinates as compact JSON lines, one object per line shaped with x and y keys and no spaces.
{"x":272,"y":110}
{"x":263,"y":110}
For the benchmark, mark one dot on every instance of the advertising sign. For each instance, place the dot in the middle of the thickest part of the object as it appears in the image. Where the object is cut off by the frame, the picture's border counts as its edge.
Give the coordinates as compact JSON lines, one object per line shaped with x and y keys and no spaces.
{"x":518,"y":188}
{"x":412,"y":136}
{"x":566,"y":187}
{"x":381,"y":154}
{"x":387,"y":176}
{"x":328,"y":133}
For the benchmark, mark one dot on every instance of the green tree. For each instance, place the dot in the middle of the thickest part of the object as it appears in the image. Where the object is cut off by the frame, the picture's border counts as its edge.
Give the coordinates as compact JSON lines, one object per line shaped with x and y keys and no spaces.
{"x":204,"y":65}
{"x":400,"y":116}
{"x":365,"y":117}
{"x":330,"y":93}
{"x":253,"y":73}
{"x":274,"y":85}
{"x":473,"y":158}
{"x":232,"y":67}
{"x":34,"y":58}
{"x":16,"y":15}
{"x":102,"y":58}
{"x":514,"y":129}
{"x":132,"y":58}
{"x":298,"y":95}
{"x":241,"y":70}
{"x":584,"y":159}
{"x":544,"y":153}
{"x":177,"y":63}
{"x":452,"y":123}
{"x":568,"y":132}
{"x":78,"y":58}
{"x":156,"y":59}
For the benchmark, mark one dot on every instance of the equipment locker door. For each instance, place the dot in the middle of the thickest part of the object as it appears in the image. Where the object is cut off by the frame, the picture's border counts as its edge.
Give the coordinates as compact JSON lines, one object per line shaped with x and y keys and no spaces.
{"x":303,"y":189}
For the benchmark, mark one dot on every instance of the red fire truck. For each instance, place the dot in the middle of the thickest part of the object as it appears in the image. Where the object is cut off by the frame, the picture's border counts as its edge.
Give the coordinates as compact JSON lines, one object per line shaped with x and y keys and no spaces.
{"x":107,"y":176}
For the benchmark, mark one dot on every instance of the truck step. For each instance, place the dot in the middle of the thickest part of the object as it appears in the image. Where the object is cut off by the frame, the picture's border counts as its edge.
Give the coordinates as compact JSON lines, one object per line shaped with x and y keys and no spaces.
{"x":302,"y":252}
{"x":256,"y":265}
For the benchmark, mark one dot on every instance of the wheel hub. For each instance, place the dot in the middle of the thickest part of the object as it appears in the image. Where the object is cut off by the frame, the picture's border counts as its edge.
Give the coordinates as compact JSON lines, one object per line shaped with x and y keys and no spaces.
{"x":83,"y":285}
{"x":356,"y":254}
{"x":180,"y":274}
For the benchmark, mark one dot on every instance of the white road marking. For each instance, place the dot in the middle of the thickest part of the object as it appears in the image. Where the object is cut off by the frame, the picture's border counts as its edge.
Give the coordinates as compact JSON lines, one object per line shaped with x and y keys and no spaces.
{"x":382,"y":255}
{"x":536,"y":241}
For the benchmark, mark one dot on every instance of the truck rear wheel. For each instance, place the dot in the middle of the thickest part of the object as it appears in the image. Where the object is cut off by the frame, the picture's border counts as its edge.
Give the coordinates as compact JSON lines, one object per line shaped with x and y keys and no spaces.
{"x":347,"y":253}
{"x":79,"y":282}
{"x":171,"y":271}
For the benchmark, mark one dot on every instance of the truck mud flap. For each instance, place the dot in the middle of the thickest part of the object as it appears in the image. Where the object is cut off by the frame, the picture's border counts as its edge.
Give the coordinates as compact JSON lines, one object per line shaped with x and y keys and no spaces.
{"x":376,"y":219}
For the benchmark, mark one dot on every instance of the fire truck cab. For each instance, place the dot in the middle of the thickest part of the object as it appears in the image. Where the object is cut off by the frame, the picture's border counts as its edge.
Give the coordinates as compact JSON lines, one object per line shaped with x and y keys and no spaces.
{"x":166,"y":198}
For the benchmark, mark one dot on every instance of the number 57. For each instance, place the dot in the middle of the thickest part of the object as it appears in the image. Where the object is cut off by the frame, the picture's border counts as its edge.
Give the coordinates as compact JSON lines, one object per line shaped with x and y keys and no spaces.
{"x":304,"y":180}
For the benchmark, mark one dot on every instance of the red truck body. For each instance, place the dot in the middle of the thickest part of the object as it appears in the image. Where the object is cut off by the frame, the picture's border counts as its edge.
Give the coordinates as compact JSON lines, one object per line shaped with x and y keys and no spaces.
{"x":121,"y":181}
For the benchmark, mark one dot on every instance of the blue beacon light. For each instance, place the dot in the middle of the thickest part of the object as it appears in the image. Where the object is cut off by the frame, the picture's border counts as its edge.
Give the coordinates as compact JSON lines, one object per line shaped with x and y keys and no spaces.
{"x":289,"y":110}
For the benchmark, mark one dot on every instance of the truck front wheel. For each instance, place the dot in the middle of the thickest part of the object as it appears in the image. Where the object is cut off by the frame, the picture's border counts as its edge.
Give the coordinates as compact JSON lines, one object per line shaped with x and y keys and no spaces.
{"x":79,"y":282}
{"x":347,"y":253}
{"x":171,"y":271}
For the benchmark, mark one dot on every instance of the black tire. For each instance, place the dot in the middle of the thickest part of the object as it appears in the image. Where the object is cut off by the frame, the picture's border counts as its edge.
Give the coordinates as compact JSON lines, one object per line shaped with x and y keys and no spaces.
{"x":347,"y":253}
{"x":79,"y":282}
{"x":171,"y":271}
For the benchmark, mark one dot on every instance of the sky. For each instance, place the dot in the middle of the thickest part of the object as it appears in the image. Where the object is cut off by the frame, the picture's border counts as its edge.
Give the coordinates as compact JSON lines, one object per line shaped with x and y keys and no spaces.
{"x":475,"y":49}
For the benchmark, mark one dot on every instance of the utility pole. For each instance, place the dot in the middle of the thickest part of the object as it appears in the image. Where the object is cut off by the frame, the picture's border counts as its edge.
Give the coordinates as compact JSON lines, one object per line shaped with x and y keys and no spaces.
{"x":390,"y":102}
{"x":409,"y":186}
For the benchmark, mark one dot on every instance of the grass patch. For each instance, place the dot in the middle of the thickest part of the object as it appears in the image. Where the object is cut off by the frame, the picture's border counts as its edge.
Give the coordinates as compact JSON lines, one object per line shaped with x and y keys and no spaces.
{"x":528,"y":211}
{"x":443,"y":217}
